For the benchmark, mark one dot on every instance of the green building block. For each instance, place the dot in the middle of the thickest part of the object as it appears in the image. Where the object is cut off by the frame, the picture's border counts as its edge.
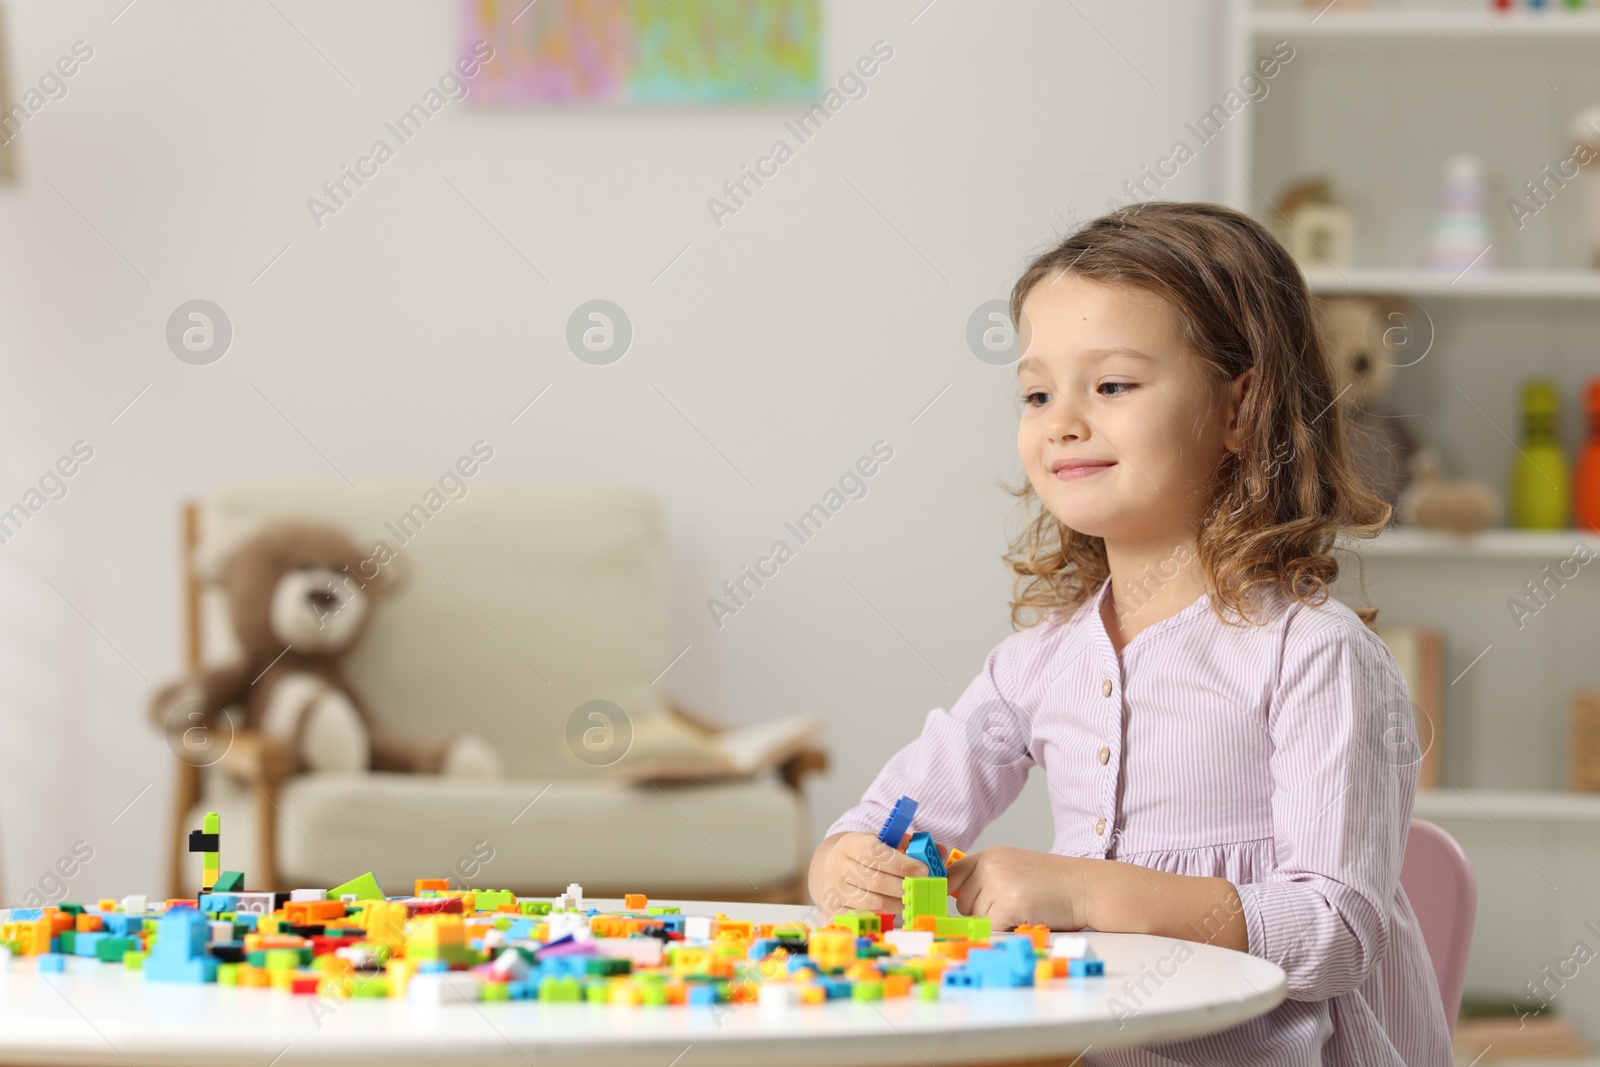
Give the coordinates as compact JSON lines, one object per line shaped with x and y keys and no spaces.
{"x":364,"y":887}
{"x":924,"y":896}
{"x":859,"y":923}
{"x":464,"y":954}
{"x":134,"y":961}
{"x":492,"y":899}
{"x":70,"y":909}
{"x":112,"y":949}
{"x":496,"y":991}
{"x":927,"y":990}
{"x":229,"y":882}
{"x":560,"y":989}
{"x":662,"y":911}
{"x":66,"y":942}
{"x":534,"y":907}
{"x":867,"y":990}
{"x":372,"y":986}
{"x":228,"y":973}
{"x":281,"y":959}
{"x":971,"y":927}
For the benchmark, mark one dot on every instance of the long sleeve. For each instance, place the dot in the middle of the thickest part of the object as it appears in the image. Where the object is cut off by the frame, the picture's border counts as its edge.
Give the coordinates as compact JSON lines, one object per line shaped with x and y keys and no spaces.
{"x":966,"y":767}
{"x":1344,"y":773}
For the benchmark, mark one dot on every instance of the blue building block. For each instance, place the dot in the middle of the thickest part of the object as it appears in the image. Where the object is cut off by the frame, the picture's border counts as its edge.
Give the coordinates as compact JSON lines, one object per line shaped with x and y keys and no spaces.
{"x":179,"y":953}
{"x":1086,"y":968}
{"x":121,"y":924}
{"x":218,"y":902}
{"x":838,"y":987}
{"x":959,"y":977}
{"x":84,"y":944}
{"x":52,"y":962}
{"x":898,"y":822}
{"x":1008,"y":965}
{"x":701,"y":993}
{"x":922,"y":848}
{"x":797,"y":962}
{"x":762,"y":947}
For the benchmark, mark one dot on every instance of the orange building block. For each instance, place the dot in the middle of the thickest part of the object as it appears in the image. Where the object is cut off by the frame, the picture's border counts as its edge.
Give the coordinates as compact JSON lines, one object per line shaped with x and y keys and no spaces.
{"x":310,"y":912}
{"x":88,"y":923}
{"x":1038,"y":933}
{"x":635,"y":902}
{"x":438,"y":885}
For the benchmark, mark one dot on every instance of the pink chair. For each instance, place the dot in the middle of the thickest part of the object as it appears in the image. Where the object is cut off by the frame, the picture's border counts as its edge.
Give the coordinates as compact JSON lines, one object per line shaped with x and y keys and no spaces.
{"x":1438,"y":880}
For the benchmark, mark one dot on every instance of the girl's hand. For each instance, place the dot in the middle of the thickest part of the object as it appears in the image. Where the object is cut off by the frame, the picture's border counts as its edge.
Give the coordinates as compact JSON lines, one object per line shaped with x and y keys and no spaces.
{"x":1013,"y":886}
{"x":854,"y":871}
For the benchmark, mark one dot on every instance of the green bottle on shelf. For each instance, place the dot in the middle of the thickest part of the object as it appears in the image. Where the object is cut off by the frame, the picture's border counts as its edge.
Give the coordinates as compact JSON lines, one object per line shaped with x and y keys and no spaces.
{"x":1540,"y":489}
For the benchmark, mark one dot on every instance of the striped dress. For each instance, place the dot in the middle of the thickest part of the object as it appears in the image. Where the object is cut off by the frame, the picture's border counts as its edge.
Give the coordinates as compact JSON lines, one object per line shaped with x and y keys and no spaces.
{"x":1278,"y":756}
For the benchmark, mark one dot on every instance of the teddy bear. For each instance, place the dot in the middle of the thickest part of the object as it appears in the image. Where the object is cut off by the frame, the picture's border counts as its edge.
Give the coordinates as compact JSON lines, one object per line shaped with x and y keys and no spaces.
{"x":1364,"y":339}
{"x":299,"y":599}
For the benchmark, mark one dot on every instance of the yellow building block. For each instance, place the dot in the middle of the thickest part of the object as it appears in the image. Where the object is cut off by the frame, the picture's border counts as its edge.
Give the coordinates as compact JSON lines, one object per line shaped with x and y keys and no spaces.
{"x":384,"y":922}
{"x":831,"y":947}
{"x":400,"y":972}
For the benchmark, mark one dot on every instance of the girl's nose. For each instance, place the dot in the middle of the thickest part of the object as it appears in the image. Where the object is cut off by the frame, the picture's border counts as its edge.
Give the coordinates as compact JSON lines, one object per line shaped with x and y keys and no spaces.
{"x":1067,"y":421}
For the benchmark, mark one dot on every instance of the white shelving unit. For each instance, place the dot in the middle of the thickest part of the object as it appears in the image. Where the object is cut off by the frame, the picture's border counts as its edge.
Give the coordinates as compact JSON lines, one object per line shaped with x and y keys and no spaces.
{"x":1378,"y":100}
{"x":1424,"y":284}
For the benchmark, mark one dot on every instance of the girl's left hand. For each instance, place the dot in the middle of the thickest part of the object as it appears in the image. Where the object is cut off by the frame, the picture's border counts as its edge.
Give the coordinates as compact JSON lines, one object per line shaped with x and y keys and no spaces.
{"x":1013,"y":886}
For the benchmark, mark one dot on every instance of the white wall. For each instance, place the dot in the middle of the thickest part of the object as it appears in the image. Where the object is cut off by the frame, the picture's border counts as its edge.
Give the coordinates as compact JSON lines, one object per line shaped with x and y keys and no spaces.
{"x":794,"y":336}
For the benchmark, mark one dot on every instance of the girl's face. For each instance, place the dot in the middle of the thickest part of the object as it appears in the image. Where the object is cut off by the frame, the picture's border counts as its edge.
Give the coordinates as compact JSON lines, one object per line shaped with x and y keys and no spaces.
{"x":1106,"y":382}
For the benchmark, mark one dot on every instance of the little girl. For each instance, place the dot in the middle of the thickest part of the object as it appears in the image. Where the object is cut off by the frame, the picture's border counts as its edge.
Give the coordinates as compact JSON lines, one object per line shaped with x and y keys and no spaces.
{"x":1227,"y":747}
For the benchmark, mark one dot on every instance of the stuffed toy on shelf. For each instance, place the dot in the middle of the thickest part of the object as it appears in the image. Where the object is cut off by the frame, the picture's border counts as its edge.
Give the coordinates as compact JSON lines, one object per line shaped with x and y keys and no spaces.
{"x":297,"y":609}
{"x":1391,"y":461}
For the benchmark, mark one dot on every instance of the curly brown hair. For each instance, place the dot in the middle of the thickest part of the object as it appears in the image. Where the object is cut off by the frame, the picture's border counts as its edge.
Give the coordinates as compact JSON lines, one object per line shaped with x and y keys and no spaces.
{"x":1281,"y":501}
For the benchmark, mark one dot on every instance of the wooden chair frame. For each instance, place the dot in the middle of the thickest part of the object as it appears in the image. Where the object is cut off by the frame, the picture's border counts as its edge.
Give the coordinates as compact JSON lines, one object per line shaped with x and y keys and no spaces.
{"x":263,"y":763}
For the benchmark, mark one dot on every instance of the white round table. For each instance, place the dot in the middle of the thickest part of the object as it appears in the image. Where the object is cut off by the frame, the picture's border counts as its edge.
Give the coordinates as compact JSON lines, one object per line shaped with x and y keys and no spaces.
{"x":96,"y":1013}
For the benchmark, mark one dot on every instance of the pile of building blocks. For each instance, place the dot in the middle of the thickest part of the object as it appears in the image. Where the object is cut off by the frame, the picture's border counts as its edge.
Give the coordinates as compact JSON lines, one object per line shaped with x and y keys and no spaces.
{"x":442,"y":944}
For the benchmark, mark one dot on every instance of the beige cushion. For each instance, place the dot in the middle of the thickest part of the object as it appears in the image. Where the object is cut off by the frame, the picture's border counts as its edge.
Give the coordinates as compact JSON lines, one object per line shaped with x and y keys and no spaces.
{"x":332,"y":827}
{"x":521,"y":605}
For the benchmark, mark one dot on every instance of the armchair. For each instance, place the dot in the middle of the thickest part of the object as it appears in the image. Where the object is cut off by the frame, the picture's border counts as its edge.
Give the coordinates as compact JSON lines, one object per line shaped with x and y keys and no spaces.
{"x":520,"y":605}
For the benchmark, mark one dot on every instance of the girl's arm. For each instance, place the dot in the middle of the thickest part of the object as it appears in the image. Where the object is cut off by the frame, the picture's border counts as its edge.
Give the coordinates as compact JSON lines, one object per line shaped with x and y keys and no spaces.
{"x":1137,"y":900}
{"x":966,"y":767}
{"x":1013,"y":886}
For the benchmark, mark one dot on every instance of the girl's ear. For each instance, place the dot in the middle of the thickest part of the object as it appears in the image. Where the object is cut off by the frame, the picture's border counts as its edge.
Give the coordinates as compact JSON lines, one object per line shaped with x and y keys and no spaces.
{"x":1236,"y":394}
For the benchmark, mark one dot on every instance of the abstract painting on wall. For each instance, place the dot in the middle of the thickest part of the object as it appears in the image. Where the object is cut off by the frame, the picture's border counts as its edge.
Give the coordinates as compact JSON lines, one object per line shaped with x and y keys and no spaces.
{"x":645,"y":51}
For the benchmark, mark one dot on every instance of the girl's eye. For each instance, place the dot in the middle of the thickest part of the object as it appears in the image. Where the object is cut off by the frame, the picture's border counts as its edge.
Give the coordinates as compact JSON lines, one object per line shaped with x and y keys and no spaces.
{"x":1028,"y":399}
{"x":1116,"y":385}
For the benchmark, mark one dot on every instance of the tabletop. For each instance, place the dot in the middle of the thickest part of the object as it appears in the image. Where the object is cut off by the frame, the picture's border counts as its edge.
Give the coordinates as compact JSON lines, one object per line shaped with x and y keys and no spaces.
{"x":1154,"y":989}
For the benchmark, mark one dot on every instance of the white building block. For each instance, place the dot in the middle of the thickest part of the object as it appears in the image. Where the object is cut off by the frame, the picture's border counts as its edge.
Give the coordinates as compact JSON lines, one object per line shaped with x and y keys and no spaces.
{"x":443,"y":987}
{"x":779,"y":994}
{"x":910,"y":942}
{"x":1070,"y":947}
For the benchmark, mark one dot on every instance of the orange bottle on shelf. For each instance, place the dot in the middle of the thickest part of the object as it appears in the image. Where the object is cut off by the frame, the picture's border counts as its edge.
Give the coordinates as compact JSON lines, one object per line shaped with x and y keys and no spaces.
{"x":1586,"y":493}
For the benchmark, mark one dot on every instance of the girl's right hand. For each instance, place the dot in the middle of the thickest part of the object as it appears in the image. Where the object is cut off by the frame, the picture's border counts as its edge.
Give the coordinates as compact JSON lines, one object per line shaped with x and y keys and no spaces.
{"x":854,"y":871}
